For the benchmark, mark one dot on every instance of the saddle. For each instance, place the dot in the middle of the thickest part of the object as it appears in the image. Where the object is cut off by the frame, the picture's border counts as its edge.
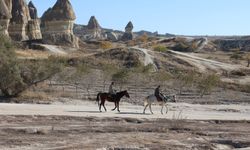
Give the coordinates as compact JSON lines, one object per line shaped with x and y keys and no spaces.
{"x":112,"y":96}
{"x":161,"y":98}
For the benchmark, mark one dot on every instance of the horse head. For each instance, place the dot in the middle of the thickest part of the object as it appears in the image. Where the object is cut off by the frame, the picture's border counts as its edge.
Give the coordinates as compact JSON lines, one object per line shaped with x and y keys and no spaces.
{"x":174,"y":99}
{"x":126,"y":94}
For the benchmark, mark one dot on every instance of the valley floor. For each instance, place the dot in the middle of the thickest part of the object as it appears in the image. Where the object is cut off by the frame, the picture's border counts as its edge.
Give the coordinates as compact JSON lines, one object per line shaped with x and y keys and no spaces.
{"x":80,"y":125}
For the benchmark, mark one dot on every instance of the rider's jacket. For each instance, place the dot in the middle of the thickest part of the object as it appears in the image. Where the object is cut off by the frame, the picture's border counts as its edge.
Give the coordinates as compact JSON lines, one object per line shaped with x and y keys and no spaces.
{"x":157,"y":91}
{"x":111,"y":90}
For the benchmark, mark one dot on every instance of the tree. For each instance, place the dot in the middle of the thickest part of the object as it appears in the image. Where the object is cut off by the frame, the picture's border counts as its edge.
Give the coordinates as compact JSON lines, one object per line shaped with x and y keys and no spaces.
{"x":16,"y":75}
{"x":10,"y":78}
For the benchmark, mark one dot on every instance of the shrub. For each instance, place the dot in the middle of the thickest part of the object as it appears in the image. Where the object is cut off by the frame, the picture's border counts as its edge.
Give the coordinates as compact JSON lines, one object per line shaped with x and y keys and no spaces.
{"x":143,"y":39}
{"x":106,"y":45}
{"x":248,"y":59}
{"x":121,"y":76}
{"x":160,"y":48}
{"x":207,"y":83}
{"x":186,"y":79}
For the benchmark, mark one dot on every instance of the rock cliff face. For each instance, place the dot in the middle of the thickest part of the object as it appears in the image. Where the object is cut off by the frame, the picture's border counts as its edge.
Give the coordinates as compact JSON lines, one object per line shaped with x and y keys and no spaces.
{"x":242,"y":44}
{"x":128,"y":35}
{"x":34,"y":31}
{"x":57,"y":25}
{"x":5,"y":16}
{"x":19,"y":21}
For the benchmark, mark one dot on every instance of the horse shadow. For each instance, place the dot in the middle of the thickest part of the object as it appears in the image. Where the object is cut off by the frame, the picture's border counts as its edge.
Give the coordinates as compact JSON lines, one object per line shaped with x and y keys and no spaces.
{"x":93,"y":112}
{"x":131,"y":113}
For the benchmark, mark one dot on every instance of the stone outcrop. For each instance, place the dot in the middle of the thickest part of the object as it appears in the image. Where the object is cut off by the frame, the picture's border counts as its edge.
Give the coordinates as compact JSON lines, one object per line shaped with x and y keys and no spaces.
{"x":19,"y":21}
{"x":111,"y":36}
{"x":94,"y":30}
{"x":5,"y":16}
{"x":57,"y":25}
{"x":128,"y":35}
{"x":34,"y":31}
{"x":32,"y":10}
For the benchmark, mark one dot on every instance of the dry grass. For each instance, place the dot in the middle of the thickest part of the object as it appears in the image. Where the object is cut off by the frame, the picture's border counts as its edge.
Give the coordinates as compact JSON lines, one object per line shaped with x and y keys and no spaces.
{"x":35,"y":95}
{"x":32,"y":54}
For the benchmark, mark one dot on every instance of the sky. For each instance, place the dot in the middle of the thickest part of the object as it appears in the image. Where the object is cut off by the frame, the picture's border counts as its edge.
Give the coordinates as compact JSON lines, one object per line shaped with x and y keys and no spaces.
{"x":182,"y":17}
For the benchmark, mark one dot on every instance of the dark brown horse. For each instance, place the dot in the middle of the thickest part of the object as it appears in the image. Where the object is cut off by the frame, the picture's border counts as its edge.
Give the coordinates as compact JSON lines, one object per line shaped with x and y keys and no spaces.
{"x":116,"y":99}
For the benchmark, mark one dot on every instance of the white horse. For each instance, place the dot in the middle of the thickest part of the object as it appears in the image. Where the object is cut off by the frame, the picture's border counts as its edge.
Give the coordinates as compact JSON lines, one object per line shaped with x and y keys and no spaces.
{"x":151,"y":99}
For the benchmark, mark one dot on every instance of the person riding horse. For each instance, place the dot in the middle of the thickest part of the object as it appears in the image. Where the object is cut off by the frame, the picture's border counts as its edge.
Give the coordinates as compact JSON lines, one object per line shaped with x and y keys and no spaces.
{"x":112,"y":92}
{"x":158,"y":94}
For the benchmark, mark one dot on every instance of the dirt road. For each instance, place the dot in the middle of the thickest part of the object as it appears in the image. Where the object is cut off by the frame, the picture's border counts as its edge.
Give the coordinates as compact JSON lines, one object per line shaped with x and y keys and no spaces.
{"x":176,"y":111}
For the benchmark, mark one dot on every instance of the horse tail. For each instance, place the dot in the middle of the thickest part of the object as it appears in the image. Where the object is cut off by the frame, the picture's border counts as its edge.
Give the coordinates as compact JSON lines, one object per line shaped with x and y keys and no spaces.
{"x":98,"y":99}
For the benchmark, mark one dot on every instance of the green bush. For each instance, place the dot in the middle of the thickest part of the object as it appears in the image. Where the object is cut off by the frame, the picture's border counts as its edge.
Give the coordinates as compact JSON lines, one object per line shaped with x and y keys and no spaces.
{"x":160,"y":48}
{"x":207,"y":83}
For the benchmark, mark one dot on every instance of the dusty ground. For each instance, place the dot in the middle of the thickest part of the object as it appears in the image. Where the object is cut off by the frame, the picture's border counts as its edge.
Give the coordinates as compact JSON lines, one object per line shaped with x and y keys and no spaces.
{"x":79,"y":125}
{"x":67,"y":133}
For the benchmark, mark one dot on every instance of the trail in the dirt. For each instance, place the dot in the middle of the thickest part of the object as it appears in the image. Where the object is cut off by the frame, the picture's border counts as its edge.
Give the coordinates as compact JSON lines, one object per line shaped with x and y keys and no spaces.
{"x":54,"y":49}
{"x":204,"y":64}
{"x":90,"y":109}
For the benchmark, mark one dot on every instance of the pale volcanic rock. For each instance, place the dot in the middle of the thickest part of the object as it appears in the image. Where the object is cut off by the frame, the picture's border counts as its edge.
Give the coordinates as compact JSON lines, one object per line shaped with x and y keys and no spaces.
{"x":5,"y":16}
{"x":34,"y":31}
{"x":94,"y":30}
{"x":57,"y":25}
{"x":19,"y":21}
{"x":111,"y":36}
{"x":32,"y":10}
{"x":128,"y":35}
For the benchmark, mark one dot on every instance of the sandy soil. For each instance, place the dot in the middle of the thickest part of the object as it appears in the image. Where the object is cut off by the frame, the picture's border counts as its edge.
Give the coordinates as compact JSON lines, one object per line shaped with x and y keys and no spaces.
{"x":178,"y":110}
{"x":91,"y":133}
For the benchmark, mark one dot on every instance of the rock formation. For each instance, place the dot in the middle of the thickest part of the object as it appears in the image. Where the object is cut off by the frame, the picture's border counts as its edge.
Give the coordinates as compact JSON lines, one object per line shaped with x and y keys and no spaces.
{"x":57,"y":25}
{"x":34,"y":31}
{"x":111,"y":36}
{"x":128,"y":35}
{"x":94,"y":30}
{"x":19,"y":21}
{"x":5,"y":16}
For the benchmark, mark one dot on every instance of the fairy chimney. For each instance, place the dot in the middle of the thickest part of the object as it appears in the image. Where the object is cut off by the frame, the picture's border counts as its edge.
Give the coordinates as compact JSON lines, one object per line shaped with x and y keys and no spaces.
{"x":57,"y":25}
{"x":5,"y":16}
{"x":128,"y":35}
{"x":34,"y":31}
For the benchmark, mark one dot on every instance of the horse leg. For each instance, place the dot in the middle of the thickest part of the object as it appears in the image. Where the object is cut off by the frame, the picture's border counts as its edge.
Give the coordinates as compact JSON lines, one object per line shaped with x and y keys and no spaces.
{"x":118,"y":107}
{"x":150,"y":109}
{"x":166,"y":108}
{"x":162,"y":108}
{"x":103,"y":104}
{"x":145,"y":108}
{"x":100,"y":106}
{"x":115,"y":107}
